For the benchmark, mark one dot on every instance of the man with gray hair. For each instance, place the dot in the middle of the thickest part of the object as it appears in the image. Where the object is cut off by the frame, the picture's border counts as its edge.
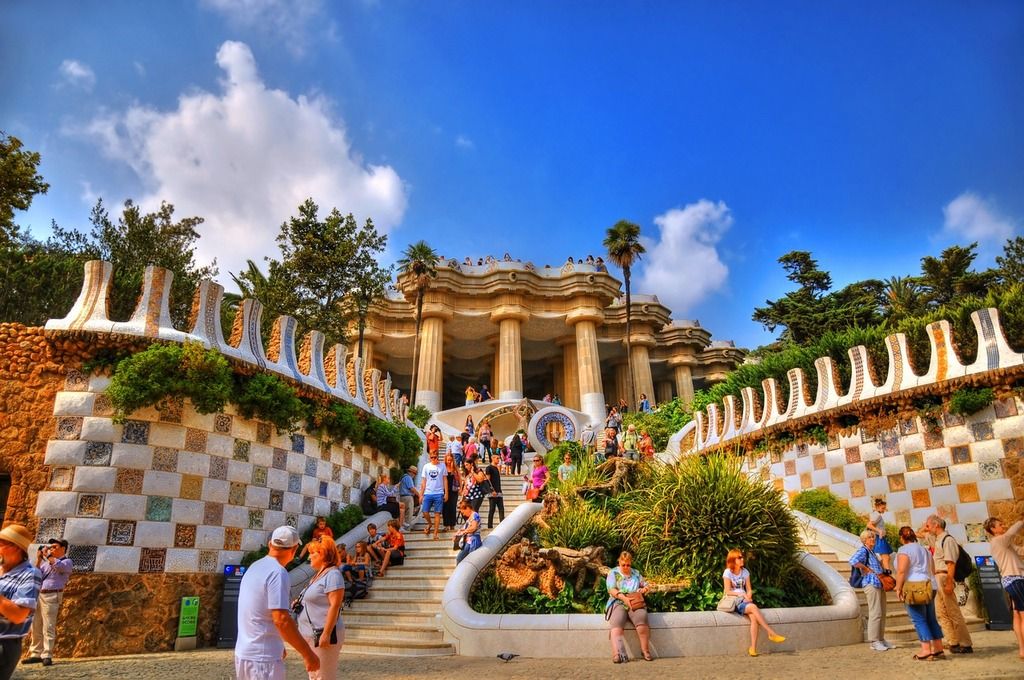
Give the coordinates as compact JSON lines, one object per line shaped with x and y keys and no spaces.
{"x":951,"y":619}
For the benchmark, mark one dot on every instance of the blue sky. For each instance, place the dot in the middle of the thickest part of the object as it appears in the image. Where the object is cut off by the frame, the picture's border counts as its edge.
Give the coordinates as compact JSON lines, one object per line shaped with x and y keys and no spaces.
{"x":731,"y":132}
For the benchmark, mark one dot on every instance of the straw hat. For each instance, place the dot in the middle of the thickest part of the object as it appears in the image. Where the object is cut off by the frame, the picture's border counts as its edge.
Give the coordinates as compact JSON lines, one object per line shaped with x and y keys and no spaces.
{"x":18,"y":535}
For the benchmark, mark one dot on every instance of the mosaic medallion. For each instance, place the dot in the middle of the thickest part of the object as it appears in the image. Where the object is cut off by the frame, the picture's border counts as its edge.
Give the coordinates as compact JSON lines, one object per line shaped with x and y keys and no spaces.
{"x":152,"y":560}
{"x":259,"y":475}
{"x":311,"y":465}
{"x":128,"y":481}
{"x":263,"y":433}
{"x":236,"y":493}
{"x":184,"y":536}
{"x":83,"y":558}
{"x":213,"y":513}
{"x":165,"y":459}
{"x":158,"y":508}
{"x":277,"y":500}
{"x":135,"y":432}
{"x":69,"y":428}
{"x":222,"y":423}
{"x":121,"y":532}
{"x":232,"y":538}
{"x":298,"y":443}
{"x":280,"y":460}
{"x":50,"y":528}
{"x":550,"y":426}
{"x":218,"y":468}
{"x":256,"y":519}
{"x":191,"y":487}
{"x":170,"y":409}
{"x":98,"y":453}
{"x":61,"y":477}
{"x":195,"y":440}
{"x":76,"y":381}
{"x":208,"y":561}
{"x":90,"y":505}
{"x":241,"y":450}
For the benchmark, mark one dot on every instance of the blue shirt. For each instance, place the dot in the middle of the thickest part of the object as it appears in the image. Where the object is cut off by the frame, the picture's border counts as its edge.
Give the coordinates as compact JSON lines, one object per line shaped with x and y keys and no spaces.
{"x":407,"y":485}
{"x":870,"y":579}
{"x":626,"y":584}
{"x":55,"y":576}
{"x":20,"y":585}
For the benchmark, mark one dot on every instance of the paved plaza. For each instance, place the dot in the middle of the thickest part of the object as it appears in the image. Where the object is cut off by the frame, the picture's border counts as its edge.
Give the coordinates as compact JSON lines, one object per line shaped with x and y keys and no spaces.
{"x":994,"y":657}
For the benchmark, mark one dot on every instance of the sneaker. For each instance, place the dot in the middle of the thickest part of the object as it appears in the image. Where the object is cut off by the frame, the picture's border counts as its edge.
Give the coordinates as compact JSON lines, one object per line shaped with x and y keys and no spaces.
{"x":888,"y":645}
{"x":958,"y":649}
{"x":879,"y":646}
{"x":47,"y":661}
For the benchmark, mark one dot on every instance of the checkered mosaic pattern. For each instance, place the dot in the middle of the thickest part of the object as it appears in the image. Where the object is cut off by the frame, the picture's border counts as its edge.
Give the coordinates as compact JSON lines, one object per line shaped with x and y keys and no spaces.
{"x":171,"y":490}
{"x":958,"y":468}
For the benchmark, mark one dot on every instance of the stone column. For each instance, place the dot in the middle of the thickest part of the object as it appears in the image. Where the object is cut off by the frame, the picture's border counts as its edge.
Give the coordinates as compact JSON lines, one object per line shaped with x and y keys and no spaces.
{"x":509,"y":315}
{"x":642,"y":373}
{"x":664,"y":391}
{"x":494,"y":372}
{"x":622,"y":384}
{"x":367,"y":352}
{"x":684,"y":380}
{"x":559,"y":378}
{"x":571,"y":374}
{"x":585,"y":320}
{"x":429,"y":380}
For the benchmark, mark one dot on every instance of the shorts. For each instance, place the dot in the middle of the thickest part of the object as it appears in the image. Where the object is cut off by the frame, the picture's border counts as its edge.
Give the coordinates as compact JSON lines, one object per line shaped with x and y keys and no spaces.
{"x":397,"y":558}
{"x":1015,"y":589}
{"x":432,"y":502}
{"x":620,"y":614}
{"x":882,"y":546}
{"x":742,"y":606}
{"x":247,"y":669}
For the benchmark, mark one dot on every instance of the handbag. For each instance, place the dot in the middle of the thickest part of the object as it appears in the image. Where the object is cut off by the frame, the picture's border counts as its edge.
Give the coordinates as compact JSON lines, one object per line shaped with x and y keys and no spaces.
{"x":457,"y":542}
{"x":856,"y":575}
{"x":917,"y":592}
{"x":635,"y":601}
{"x":532,"y":493}
{"x":728,"y":603}
{"x":888,"y":582}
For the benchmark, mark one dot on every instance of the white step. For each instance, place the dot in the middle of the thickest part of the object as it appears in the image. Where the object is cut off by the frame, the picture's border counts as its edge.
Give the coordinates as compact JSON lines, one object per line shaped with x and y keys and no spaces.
{"x":359,"y":612}
{"x":377,"y":631}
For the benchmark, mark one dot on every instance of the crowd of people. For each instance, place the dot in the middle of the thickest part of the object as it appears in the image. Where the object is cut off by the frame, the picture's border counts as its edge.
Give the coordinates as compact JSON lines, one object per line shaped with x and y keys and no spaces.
{"x":596,"y":262}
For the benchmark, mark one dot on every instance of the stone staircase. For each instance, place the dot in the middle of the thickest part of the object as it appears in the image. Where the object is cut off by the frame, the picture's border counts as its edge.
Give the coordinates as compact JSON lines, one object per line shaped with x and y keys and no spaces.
{"x":898,"y":627}
{"x":402,"y":614}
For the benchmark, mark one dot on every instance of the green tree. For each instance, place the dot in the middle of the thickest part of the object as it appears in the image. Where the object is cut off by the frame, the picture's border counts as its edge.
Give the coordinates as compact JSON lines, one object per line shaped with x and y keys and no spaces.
{"x":369,"y":286}
{"x":902,"y":297}
{"x":1011,"y":262}
{"x":948,"y":277}
{"x":19,"y":182}
{"x":622,"y":241}
{"x":417,"y":267}
{"x":39,"y":280}
{"x":255,"y":285}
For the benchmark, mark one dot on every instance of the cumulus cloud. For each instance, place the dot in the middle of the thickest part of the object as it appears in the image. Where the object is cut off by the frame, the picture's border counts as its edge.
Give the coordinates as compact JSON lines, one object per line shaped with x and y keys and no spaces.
{"x":74,"y":73}
{"x":972,"y":217}
{"x":682,"y":266}
{"x":464,"y":142}
{"x":244,"y":159}
{"x":288,"y":20}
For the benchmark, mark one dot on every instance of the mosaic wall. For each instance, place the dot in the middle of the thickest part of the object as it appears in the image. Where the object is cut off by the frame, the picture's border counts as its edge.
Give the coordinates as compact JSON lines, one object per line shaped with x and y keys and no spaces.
{"x":174,"y":491}
{"x":963,"y":469}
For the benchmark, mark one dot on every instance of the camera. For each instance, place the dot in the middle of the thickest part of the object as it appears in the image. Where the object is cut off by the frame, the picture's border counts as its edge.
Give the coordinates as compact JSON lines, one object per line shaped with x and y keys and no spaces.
{"x":297,"y":607}
{"x":317,"y":632}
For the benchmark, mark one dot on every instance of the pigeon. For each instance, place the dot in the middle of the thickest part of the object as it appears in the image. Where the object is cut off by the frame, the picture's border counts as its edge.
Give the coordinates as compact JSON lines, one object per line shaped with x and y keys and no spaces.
{"x":507,"y":656}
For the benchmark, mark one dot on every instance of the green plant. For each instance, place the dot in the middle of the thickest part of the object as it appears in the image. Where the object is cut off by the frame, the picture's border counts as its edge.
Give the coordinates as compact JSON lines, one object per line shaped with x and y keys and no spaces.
{"x":967,"y":400}
{"x":340,"y":522}
{"x":827,"y":507}
{"x":577,"y":525}
{"x":267,"y":397}
{"x":553,"y":458}
{"x":419,"y":415}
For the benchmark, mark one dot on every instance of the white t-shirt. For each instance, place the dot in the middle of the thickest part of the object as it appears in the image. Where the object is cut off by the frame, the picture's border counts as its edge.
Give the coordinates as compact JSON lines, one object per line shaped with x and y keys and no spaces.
{"x":434,"y":473}
{"x":316,"y":604}
{"x":264,"y":587}
{"x":919,"y":557}
{"x":738,"y":581}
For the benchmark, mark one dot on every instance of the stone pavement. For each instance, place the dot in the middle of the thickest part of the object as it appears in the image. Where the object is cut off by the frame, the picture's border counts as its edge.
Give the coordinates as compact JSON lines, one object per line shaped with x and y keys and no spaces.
{"x":995,"y":657}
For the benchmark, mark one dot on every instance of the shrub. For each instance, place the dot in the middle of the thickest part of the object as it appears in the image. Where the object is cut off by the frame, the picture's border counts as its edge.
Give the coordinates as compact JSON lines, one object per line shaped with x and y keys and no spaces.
{"x":827,"y":507}
{"x":966,"y":400}
{"x":553,"y":458}
{"x":419,"y":415}
{"x":577,"y":525}
{"x":340,"y":523}
{"x":266,"y":397}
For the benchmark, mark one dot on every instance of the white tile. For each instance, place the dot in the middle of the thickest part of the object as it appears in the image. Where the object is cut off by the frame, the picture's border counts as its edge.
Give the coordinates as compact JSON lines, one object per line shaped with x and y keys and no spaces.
{"x":243,"y":428}
{"x":321,"y":506}
{"x":995,"y":490}
{"x":193,"y":463}
{"x":57,"y":504}
{"x":59,"y":452}
{"x":346,"y":476}
{"x":181,"y":560}
{"x":277,"y":479}
{"x":187,"y":511}
{"x":963,"y":473}
{"x":292,"y":502}
{"x":919,"y":479}
{"x":124,"y":506}
{"x":216,"y":490}
{"x":157,"y":483}
{"x":987,"y":451}
{"x":899,"y":500}
{"x":137,"y":456}
{"x":1009,"y":428}
{"x":73,"y":404}
{"x":870,"y":451}
{"x":99,"y":383}
{"x":236,"y":516}
{"x":209,"y":537}
{"x":239,"y":471}
{"x":835,"y":458}
{"x":261,"y":454}
{"x":167,"y":434}
{"x":944,"y":495}
{"x":919,"y":515}
{"x":911,"y":443}
{"x":154,"y":534}
{"x":198,"y":421}
{"x":220,"y":445}
{"x":86,"y":531}
{"x":937,"y":458}
{"x":310,"y":486}
{"x":296,"y":462}
{"x":861,"y":505}
{"x":876,"y":486}
{"x":94,"y":478}
{"x":96,"y":429}
{"x":955,"y":436}
{"x":893,"y":465}
{"x":840,"y":490}
{"x":273,"y":518}
{"x":257,"y":497}
{"x":253,"y":539}
{"x":972,"y":513}
{"x":111,"y":559}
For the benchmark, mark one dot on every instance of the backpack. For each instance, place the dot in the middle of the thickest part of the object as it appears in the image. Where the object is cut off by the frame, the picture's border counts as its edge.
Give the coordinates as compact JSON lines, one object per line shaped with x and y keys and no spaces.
{"x":369,"y":501}
{"x":355,"y":590}
{"x":964,"y":564}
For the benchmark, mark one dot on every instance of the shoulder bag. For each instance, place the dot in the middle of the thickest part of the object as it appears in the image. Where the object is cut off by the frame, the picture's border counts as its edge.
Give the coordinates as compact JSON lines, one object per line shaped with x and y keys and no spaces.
{"x":917,"y":592}
{"x":728,"y":603}
{"x":856,"y":575}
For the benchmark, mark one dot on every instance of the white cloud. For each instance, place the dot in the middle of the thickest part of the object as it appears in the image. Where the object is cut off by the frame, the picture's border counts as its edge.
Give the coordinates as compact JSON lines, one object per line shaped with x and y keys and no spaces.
{"x":972,"y":217}
{"x":683,"y":266}
{"x":464,"y":142}
{"x":76,"y":74}
{"x":140,"y":68}
{"x":244,"y":159}
{"x":288,"y":20}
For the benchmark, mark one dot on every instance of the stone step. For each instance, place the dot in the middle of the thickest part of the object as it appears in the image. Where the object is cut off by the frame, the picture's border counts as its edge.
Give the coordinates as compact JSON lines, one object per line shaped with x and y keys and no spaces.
{"x":905,"y":632}
{"x":397,"y":647}
{"x":399,"y":579}
{"x":413,"y":560}
{"x":359,"y":612}
{"x":377,"y":631}
{"x":385,"y":603}
{"x":413,"y":570}
{"x":388,"y":591}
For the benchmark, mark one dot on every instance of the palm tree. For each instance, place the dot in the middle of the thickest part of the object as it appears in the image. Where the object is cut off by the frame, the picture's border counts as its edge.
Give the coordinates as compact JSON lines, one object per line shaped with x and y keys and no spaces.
{"x":624,"y":248}
{"x":419,"y":264}
{"x":902,"y":297}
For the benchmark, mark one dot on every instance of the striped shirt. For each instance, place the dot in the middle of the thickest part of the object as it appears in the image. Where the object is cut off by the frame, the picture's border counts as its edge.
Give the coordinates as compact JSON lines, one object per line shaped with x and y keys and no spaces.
{"x":20,"y":585}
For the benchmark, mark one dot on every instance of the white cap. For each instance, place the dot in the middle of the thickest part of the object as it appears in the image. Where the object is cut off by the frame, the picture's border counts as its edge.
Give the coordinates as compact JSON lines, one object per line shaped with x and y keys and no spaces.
{"x":284,"y":537}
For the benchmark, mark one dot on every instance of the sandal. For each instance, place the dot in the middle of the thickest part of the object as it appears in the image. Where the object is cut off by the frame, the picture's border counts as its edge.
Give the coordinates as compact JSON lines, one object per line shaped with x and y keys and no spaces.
{"x":926,"y":657}
{"x":648,"y":657}
{"x":938,"y":656}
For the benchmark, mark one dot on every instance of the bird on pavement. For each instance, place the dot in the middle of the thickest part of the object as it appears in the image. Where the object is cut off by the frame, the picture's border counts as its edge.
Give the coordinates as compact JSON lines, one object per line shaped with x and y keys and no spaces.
{"x":507,"y":656}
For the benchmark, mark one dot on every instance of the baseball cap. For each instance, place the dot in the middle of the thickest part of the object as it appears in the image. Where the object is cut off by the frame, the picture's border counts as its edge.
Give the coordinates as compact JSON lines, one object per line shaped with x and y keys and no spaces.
{"x":413,"y":468}
{"x":58,"y":541}
{"x":284,"y":537}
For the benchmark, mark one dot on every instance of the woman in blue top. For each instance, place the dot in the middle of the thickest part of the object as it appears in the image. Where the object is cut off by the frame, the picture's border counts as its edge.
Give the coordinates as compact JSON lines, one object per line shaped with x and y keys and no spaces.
{"x":866,"y":560}
{"x":471,"y":531}
{"x":623,"y":581}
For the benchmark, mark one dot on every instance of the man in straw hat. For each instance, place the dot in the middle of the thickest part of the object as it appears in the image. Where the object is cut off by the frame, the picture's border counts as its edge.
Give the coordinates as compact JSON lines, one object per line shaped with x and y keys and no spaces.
{"x":264,"y":614}
{"x":19,"y":590}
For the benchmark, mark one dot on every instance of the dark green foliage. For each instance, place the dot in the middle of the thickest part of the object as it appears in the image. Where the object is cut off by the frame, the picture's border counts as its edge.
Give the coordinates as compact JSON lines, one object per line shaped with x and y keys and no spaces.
{"x":19,"y":181}
{"x":104,"y":358}
{"x":419,"y":415}
{"x":393,"y":441}
{"x":967,"y":400}
{"x":825,"y":506}
{"x":339,"y":421}
{"x":265,"y":396}
{"x":577,"y":525}
{"x":340,"y":523}
{"x":490,"y":597}
{"x":662,"y":423}
{"x":553,"y":458}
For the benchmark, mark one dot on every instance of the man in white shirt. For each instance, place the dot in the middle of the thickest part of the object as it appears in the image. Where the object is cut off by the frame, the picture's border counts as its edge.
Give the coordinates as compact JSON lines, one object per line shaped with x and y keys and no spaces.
{"x":264,"y":614}
{"x":434,"y":492}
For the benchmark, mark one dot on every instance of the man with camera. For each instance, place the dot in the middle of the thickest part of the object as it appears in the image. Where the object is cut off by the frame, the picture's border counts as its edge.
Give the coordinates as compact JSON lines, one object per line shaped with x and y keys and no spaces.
{"x":53,"y":563}
{"x":265,"y":620}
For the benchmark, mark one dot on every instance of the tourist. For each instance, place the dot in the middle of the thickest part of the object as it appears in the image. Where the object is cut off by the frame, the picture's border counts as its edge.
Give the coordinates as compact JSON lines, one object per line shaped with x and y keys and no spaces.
{"x":915,"y":576}
{"x":539,"y":478}
{"x":471,"y":532}
{"x":394,"y":552}
{"x":409,"y":496}
{"x":645,"y":404}
{"x":623,"y":406}
{"x":470,"y":428}
{"x":453,"y":482}
{"x":468,"y":262}
{"x":646,"y":445}
{"x":626,"y":589}
{"x":53,"y":563}
{"x":556,"y":400}
{"x":485,"y":394}
{"x":631,"y":443}
{"x":1011,"y":569}
{"x":611,"y":443}
{"x":470,"y":400}
{"x":471,"y":450}
{"x":495,"y":500}
{"x":19,"y":591}
{"x":361,"y":562}
{"x":590,"y":259}
{"x":485,"y":434}
{"x":547,"y":398}
{"x":946,"y":550}
{"x":375,"y":543}
{"x":515,"y":452}
{"x":265,"y":620}
{"x":876,"y":523}
{"x":434,"y":493}
{"x":866,"y":560}
{"x":321,"y":603}
{"x":736,"y":580}
{"x":588,"y":440}
{"x":369,"y":500}
{"x":505,"y":457}
{"x":599,"y":264}
{"x":507,"y":257}
{"x":566,"y":469}
{"x":319,"y":529}
{"x":434,"y":439}
{"x":614,"y":420}
{"x":387,"y":496}
{"x":472,"y":488}
{"x":458,"y":448}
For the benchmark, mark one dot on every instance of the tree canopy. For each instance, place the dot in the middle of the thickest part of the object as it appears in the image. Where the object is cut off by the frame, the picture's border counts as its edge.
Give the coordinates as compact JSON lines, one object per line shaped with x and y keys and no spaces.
{"x":20,"y":182}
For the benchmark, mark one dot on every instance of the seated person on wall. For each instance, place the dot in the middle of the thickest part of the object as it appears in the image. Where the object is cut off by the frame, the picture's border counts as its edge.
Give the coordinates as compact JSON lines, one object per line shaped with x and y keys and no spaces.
{"x":394,"y":553}
{"x":321,"y":529}
{"x":387,"y":497}
{"x":359,"y":565}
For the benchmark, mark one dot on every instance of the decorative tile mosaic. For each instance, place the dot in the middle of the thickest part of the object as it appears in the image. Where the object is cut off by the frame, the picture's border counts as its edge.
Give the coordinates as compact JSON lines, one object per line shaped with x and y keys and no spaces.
{"x":90,"y":505}
{"x":50,"y":528}
{"x":866,"y":436}
{"x":263,"y":433}
{"x":981,"y":431}
{"x":366,"y":463}
{"x":232,"y":538}
{"x":102,"y":406}
{"x":992,"y":469}
{"x":236,"y":493}
{"x":295,"y":483}
{"x":277,"y":500}
{"x":61,"y":477}
{"x":213,"y":513}
{"x":921,"y":498}
{"x":790,"y":467}
{"x":357,"y":479}
{"x":307,"y":505}
{"x":184,"y":535}
{"x":940,"y":476}
{"x":158,"y":508}
{"x":311,"y":467}
{"x":1005,"y":408}
{"x":195,"y":440}
{"x":375,"y":455}
{"x":889,"y":443}
{"x":897,"y":483}
{"x":336,"y":473}
{"x":914,"y":461}
{"x":947,"y":511}
{"x":818,"y":461}
{"x":152,"y":560}
{"x":857,"y":488}
{"x":208,"y":561}
{"x":256,"y":519}
{"x":170,"y":409}
{"x":280,"y":461}
{"x":222,"y":423}
{"x":952,"y":419}
{"x":933,"y":439}
{"x":346,"y":458}
{"x":968,"y":492}
{"x":837,"y":474}
{"x":76,"y":381}
{"x":1013,"y":448}
{"x":218,"y":468}
{"x":298,"y":443}
{"x":325,"y":450}
{"x":833,"y":442}
{"x":902,"y":517}
{"x":908,"y":426}
{"x":773,"y":456}
{"x":976,"y":533}
{"x":335,"y":506}
{"x":135,"y":432}
{"x":873,"y":468}
{"x":292,"y":520}
{"x":83,"y":558}
{"x":191,"y":487}
{"x":121,"y":532}
{"x":801,"y":451}
{"x":852,"y":454}
{"x":69,"y":427}
{"x":128,"y":481}
{"x":98,"y":453}
{"x":165,"y":459}
{"x":259,"y":475}
{"x":960,"y":454}
{"x":241,"y":450}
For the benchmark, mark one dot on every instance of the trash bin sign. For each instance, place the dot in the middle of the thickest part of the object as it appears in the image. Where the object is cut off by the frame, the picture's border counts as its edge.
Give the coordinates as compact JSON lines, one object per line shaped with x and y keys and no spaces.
{"x":188,"y":621}
{"x":992,"y":592}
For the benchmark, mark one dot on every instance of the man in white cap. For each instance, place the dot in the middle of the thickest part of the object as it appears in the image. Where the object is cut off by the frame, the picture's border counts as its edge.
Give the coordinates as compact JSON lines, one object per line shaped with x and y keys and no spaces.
{"x":19,"y":590}
{"x":264,"y":614}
